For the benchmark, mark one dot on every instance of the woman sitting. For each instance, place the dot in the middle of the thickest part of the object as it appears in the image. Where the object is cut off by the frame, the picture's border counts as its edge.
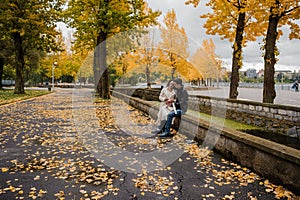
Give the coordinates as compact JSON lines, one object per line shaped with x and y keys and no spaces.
{"x":167,"y":97}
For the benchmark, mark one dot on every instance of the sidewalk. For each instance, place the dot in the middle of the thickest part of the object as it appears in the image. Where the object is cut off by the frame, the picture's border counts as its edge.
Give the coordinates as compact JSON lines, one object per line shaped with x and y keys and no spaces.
{"x":283,"y":97}
{"x":44,"y":155}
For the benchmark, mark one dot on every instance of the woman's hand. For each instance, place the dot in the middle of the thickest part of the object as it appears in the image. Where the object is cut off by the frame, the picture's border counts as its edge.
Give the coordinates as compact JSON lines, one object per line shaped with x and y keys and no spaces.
{"x":169,"y":102}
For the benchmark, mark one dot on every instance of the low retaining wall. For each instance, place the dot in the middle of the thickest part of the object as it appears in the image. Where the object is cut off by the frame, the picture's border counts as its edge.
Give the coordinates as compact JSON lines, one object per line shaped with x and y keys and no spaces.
{"x":272,"y":117}
{"x":151,"y":94}
{"x":269,"y":159}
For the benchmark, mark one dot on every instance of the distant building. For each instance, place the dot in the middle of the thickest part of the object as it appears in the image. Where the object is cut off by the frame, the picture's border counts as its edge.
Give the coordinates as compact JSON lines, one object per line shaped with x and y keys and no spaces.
{"x":283,"y":73}
{"x":251,"y":73}
{"x":8,"y":82}
{"x":260,"y":73}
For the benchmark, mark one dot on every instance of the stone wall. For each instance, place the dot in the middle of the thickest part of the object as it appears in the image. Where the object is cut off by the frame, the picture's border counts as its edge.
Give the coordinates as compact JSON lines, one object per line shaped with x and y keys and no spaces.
{"x":272,"y":117}
{"x":271,"y":160}
{"x":150,"y":94}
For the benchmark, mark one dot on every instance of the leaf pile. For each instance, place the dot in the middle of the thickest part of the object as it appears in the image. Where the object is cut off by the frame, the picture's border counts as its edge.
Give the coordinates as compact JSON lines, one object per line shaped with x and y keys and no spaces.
{"x":160,"y":185}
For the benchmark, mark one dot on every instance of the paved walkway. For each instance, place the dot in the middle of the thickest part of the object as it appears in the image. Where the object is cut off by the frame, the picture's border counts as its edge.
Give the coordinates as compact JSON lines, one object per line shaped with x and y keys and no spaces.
{"x":44,"y":154}
{"x":283,"y":97}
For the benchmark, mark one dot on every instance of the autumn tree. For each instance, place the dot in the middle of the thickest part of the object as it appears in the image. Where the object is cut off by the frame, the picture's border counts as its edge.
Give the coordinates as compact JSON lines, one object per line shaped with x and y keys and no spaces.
{"x":31,"y":25}
{"x":85,"y":72}
{"x":126,"y":63}
{"x":146,"y":54}
{"x":96,"y":20}
{"x":206,"y":61}
{"x":32,"y":66}
{"x":213,"y":62}
{"x":1,"y":71}
{"x":123,"y":50}
{"x":3,"y":41}
{"x":138,"y":54}
{"x":67,"y":67}
{"x":5,"y":53}
{"x":281,"y":12}
{"x":234,"y":20}
{"x":174,"y":44}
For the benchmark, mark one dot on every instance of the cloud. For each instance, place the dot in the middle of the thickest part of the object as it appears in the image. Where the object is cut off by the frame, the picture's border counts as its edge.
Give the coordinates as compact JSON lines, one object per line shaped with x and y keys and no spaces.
{"x":188,"y":18}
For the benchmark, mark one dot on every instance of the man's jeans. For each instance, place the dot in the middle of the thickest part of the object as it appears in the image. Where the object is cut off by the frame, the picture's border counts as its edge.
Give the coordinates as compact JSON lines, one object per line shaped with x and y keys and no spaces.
{"x":170,"y":118}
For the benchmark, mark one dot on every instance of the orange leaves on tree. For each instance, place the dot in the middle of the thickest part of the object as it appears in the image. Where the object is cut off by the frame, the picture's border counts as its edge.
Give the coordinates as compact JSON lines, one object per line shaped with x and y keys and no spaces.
{"x":205,"y":61}
{"x":174,"y":44}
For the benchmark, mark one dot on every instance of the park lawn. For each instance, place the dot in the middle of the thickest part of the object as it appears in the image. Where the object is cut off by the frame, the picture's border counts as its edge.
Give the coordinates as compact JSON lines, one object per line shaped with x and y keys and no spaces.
{"x":8,"y":96}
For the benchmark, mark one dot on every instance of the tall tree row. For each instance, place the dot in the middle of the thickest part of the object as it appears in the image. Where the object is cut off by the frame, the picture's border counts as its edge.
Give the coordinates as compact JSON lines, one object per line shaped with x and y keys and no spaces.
{"x":233,"y":20}
{"x":241,"y":21}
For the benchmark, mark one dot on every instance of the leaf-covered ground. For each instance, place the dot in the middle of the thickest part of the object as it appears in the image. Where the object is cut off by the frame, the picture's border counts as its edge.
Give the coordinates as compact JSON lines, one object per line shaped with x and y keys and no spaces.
{"x":51,"y":149}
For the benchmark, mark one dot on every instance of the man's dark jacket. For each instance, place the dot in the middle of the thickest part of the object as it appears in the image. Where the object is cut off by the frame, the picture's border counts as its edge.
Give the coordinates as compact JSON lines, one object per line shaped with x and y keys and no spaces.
{"x":182,"y":99}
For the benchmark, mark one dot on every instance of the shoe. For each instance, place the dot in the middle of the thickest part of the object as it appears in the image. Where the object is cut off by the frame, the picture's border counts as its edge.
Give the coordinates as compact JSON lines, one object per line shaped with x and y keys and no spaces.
{"x":165,"y":134}
{"x":152,"y":136}
{"x":160,"y":128}
{"x":156,"y":131}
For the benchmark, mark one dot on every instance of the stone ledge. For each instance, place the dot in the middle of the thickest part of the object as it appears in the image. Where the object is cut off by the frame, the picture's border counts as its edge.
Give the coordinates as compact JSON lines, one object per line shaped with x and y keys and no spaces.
{"x":282,"y":151}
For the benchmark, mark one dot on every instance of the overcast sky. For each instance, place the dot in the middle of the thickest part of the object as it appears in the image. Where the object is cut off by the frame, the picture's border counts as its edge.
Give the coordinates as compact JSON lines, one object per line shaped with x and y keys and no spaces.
{"x":188,"y":18}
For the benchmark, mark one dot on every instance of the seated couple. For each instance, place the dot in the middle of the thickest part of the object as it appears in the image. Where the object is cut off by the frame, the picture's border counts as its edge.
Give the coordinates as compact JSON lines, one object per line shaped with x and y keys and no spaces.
{"x":174,"y":99}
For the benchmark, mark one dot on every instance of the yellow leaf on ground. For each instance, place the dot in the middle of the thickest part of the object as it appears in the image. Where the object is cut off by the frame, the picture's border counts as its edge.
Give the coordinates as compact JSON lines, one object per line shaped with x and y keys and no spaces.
{"x":4,"y":169}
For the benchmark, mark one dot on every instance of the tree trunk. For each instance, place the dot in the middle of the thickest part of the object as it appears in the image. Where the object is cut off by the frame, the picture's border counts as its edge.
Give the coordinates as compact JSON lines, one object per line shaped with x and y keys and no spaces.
{"x":104,"y":86}
{"x":96,"y":67}
{"x":269,"y":92}
{"x":148,"y":76}
{"x":100,"y":67}
{"x":20,"y":63}
{"x":173,"y":66}
{"x":237,"y":56}
{"x":173,"y":73}
{"x":1,"y":72}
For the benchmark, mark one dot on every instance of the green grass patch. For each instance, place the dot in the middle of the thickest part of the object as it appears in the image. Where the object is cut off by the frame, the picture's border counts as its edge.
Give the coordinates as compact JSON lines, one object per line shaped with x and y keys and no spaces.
{"x":8,"y":96}
{"x":222,"y":121}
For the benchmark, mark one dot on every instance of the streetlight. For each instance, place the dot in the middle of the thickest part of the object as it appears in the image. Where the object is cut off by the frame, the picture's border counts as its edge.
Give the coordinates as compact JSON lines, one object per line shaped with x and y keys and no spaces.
{"x":53,"y":67}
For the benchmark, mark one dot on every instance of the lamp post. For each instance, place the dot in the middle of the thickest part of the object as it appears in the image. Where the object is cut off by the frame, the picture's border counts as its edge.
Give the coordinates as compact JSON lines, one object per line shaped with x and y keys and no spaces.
{"x":54,"y":64}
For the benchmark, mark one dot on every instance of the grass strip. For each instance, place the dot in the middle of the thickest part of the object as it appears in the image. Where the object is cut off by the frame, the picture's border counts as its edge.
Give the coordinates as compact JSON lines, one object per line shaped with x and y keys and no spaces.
{"x":7,"y":95}
{"x":231,"y":124}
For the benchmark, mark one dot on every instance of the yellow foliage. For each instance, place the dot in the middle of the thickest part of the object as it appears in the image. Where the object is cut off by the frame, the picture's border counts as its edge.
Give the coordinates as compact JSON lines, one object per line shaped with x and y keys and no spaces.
{"x":194,"y":2}
{"x":205,"y":61}
{"x":174,"y":45}
{"x":224,"y":19}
